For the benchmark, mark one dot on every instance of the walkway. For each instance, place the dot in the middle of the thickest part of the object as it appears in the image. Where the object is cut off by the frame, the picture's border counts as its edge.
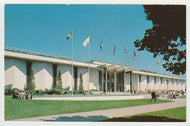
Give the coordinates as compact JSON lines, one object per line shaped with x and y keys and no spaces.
{"x":90,"y":97}
{"x":109,"y":113}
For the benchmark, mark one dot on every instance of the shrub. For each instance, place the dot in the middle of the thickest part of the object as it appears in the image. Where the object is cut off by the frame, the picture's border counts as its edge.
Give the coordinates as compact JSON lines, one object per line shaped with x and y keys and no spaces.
{"x":59,"y":80}
{"x":8,"y":90}
{"x":65,"y":91}
{"x":31,"y":91}
{"x":39,"y":92}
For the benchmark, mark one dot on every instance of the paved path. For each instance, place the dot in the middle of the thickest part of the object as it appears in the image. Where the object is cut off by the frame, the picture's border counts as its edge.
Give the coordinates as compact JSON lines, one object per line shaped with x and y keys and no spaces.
{"x":109,"y":113}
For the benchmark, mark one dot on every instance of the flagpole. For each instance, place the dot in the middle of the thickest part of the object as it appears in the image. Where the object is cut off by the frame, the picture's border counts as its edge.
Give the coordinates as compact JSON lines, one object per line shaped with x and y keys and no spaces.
{"x":89,"y":66}
{"x":115,"y":76}
{"x":102,"y":73}
{"x":72,"y":62}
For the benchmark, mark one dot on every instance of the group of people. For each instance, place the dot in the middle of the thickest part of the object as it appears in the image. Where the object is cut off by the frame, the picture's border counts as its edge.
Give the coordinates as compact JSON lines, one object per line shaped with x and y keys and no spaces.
{"x":172,"y":95}
{"x":16,"y":95}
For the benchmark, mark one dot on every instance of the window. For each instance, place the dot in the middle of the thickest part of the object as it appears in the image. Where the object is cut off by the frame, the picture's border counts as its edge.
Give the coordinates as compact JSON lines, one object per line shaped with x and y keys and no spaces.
{"x":139,"y":78}
{"x":154,"y":80}
{"x":54,"y":75}
{"x":75,"y":71}
{"x":147,"y":79}
{"x":161,"y":80}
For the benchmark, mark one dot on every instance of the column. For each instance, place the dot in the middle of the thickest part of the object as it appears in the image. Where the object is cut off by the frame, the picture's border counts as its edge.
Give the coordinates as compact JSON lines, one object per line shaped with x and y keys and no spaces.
{"x":124,"y":90}
{"x":115,"y":80}
{"x":106,"y":86}
{"x":131,"y":81}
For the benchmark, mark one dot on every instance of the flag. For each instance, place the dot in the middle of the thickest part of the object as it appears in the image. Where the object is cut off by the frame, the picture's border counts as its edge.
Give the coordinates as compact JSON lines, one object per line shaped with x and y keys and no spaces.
{"x":69,"y":35}
{"x":86,"y":42}
{"x":158,"y":68}
{"x":134,"y":53}
{"x":101,"y":46}
{"x":114,"y":50}
{"x":125,"y":51}
{"x":158,"y":61}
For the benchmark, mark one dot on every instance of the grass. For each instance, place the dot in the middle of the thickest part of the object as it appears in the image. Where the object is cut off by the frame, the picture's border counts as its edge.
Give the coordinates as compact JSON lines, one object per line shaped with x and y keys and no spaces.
{"x":182,"y":96}
{"x":16,"y":108}
{"x":169,"y":115}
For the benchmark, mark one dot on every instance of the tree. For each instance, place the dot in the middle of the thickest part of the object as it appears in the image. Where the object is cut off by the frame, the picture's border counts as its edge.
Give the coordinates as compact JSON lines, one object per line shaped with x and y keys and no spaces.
{"x":167,"y":37}
{"x":81,"y":83}
{"x":59,"y":80}
{"x":30,"y":81}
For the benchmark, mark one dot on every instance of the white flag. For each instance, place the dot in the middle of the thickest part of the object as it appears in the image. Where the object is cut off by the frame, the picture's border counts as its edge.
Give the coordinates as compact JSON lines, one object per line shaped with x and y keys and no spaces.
{"x":86,"y":42}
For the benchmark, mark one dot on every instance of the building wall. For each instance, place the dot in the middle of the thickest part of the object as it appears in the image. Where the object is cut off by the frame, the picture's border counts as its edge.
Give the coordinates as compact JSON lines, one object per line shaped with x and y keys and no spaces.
{"x":183,"y":86}
{"x":66,"y":75}
{"x":175,"y":85}
{"x":143,"y":83}
{"x":127,"y":82}
{"x":151,"y":83}
{"x":172,"y":85}
{"x":85,"y":75}
{"x":94,"y":79}
{"x":136,"y":82}
{"x":15,"y":73}
{"x":169,"y":83}
{"x":179,"y":85}
{"x":162,"y":84}
{"x":157,"y":84}
{"x":43,"y":75}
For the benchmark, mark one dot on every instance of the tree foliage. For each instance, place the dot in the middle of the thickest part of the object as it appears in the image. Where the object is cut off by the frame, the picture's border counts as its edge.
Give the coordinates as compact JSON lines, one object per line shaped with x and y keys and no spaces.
{"x":59,"y":80}
{"x":81,"y":83}
{"x":30,"y":81}
{"x":167,"y":37}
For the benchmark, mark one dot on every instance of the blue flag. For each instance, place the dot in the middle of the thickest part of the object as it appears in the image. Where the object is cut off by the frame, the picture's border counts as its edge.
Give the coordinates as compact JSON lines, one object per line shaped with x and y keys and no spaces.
{"x":114,"y":50}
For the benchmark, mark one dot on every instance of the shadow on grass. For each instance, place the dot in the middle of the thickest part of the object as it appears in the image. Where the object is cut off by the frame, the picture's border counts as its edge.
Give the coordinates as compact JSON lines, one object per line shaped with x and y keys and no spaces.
{"x":121,"y":119}
{"x":144,"y":119}
{"x":79,"y":118}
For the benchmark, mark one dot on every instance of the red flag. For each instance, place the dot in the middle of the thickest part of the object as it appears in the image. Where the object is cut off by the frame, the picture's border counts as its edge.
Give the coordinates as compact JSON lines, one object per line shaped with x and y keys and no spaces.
{"x":125,"y":51}
{"x":158,"y":61}
{"x":134,"y":53}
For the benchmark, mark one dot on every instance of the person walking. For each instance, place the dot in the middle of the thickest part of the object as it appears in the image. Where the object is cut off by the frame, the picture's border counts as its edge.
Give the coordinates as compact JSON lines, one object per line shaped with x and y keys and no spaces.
{"x":173,"y":94}
{"x":153,"y":94}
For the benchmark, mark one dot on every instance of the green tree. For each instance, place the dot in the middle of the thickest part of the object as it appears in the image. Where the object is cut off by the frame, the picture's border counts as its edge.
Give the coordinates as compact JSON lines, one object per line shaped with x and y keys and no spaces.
{"x":167,"y":37}
{"x":30,"y":81}
{"x":81,"y":83}
{"x":59,"y":80}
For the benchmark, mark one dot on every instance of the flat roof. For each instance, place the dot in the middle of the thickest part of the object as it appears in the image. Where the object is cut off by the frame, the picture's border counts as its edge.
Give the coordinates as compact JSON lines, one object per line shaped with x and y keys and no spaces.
{"x":154,"y":74}
{"x":33,"y":57}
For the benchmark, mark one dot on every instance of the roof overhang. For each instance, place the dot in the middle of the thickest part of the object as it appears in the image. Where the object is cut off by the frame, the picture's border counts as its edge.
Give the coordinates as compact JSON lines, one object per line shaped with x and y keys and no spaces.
{"x":32,"y":57}
{"x":157,"y":75}
{"x":115,"y":67}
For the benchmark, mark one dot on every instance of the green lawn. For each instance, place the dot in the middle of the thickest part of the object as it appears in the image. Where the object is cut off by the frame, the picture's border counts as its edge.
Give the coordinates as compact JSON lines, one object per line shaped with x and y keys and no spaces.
{"x":169,"y":115}
{"x":182,"y":96}
{"x":16,"y":108}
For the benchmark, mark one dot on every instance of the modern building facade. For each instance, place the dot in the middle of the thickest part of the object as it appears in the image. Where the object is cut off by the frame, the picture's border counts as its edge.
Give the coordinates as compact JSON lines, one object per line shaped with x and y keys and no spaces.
{"x":96,"y":75}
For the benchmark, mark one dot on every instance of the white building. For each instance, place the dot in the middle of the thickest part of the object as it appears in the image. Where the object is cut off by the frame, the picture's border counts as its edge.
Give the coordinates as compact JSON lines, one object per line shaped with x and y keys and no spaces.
{"x":116,"y":78}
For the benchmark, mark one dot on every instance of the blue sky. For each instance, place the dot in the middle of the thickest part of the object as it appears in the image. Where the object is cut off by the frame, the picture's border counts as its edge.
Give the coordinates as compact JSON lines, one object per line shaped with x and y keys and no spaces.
{"x":43,"y":28}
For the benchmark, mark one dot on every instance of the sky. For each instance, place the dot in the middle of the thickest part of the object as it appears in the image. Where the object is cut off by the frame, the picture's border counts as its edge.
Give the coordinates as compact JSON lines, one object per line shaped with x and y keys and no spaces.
{"x":43,"y":28}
